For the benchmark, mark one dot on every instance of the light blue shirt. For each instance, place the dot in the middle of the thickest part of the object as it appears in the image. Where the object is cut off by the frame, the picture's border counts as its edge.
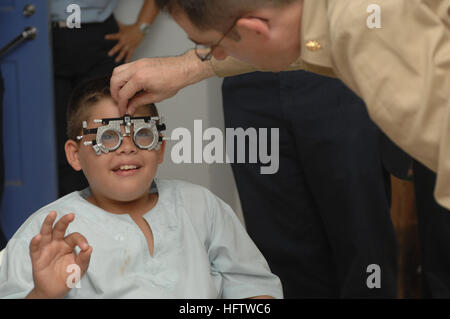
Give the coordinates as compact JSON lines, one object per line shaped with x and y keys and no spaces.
{"x":201,"y":250}
{"x":91,"y":10}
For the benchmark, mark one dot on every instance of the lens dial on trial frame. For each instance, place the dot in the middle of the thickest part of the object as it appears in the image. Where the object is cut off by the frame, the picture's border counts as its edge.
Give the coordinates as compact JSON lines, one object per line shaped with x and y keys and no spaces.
{"x":109,"y":136}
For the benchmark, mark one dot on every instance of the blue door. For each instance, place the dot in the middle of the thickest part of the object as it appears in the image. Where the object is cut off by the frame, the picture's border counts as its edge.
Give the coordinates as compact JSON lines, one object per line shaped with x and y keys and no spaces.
{"x":28,"y":124}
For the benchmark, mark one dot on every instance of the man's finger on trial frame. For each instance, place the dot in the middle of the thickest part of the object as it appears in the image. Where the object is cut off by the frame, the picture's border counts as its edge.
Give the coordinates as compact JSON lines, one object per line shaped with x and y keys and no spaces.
{"x":47,"y":227}
{"x":140,"y":98}
{"x":61,"y":226}
{"x":120,"y":68}
{"x":121,"y":75}
{"x":127,"y":92}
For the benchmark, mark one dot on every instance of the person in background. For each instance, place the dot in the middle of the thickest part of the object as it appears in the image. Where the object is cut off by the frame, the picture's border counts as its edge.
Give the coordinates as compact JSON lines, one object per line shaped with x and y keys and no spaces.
{"x":93,"y":50}
{"x":327,"y":209}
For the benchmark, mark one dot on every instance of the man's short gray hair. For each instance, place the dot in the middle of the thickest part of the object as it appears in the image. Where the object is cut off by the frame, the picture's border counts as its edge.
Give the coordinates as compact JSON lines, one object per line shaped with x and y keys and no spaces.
{"x":217,"y":14}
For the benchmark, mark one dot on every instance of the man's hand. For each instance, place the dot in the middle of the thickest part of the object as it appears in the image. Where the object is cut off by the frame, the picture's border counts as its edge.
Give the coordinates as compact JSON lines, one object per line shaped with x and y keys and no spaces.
{"x":156,"y":79}
{"x":128,"y":39}
{"x":52,"y":253}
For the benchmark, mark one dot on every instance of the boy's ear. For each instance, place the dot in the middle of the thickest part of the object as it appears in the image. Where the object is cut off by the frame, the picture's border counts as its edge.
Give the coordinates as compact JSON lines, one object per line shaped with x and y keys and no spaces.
{"x":253,"y":26}
{"x":161,"y":152}
{"x":72,"y":154}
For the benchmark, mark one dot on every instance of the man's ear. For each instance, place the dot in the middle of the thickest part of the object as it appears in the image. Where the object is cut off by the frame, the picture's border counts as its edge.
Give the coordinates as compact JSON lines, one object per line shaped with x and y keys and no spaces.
{"x":253,"y":26}
{"x":72,"y":149}
{"x":161,"y":152}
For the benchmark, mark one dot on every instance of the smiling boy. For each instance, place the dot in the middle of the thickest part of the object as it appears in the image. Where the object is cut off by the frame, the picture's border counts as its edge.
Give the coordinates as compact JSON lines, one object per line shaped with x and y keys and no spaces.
{"x":138,"y":237}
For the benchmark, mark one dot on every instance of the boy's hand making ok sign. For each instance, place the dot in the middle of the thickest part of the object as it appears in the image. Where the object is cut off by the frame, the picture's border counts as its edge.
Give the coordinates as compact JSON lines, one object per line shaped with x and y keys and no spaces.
{"x":53,"y":256}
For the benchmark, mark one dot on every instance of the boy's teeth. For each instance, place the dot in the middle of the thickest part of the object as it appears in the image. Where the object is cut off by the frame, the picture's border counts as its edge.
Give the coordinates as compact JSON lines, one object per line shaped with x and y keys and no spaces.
{"x":127,"y":167}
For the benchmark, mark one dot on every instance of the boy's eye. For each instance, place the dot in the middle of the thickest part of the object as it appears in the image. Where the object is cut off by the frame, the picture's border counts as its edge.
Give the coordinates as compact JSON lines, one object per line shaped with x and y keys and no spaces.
{"x":144,"y":137}
{"x":110,"y":139}
{"x":108,"y":136}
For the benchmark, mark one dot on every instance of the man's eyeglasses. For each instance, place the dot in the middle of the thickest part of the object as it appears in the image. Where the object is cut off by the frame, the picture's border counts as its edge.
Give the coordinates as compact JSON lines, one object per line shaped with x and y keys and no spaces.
{"x":205,"y":52}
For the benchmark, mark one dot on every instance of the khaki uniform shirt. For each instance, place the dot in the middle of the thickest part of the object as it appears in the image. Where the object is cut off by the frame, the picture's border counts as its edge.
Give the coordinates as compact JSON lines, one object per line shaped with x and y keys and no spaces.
{"x":401,"y":70}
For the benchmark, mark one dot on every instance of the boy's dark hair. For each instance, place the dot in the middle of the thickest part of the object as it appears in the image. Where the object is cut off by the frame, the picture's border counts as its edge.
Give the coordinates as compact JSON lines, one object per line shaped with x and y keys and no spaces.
{"x":217,"y":14}
{"x":83,"y":97}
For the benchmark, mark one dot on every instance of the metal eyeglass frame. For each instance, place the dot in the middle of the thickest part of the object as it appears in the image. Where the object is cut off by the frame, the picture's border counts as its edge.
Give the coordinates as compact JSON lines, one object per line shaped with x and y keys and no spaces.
{"x":208,"y":56}
{"x":114,"y":124}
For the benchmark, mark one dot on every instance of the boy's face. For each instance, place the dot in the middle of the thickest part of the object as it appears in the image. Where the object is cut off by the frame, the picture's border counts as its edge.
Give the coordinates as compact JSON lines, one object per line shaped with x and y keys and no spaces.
{"x":123,"y":175}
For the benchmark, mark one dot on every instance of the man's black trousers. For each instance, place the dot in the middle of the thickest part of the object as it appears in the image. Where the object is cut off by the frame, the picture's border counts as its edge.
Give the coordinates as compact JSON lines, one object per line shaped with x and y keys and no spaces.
{"x":324,"y":218}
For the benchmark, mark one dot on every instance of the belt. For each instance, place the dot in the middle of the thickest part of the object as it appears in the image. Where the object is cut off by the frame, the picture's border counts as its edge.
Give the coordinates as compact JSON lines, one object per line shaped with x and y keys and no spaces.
{"x":59,"y":24}
{"x":63,"y":24}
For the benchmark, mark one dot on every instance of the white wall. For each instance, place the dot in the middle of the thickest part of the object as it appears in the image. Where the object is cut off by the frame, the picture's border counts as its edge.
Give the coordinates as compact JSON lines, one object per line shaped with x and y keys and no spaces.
{"x":201,"y":101}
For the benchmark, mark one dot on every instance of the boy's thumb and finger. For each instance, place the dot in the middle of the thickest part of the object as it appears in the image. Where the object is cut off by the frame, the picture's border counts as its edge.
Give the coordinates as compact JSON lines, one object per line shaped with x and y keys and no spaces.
{"x":34,"y":246}
{"x":84,"y":256}
{"x":83,"y":259}
{"x":76,"y":239}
